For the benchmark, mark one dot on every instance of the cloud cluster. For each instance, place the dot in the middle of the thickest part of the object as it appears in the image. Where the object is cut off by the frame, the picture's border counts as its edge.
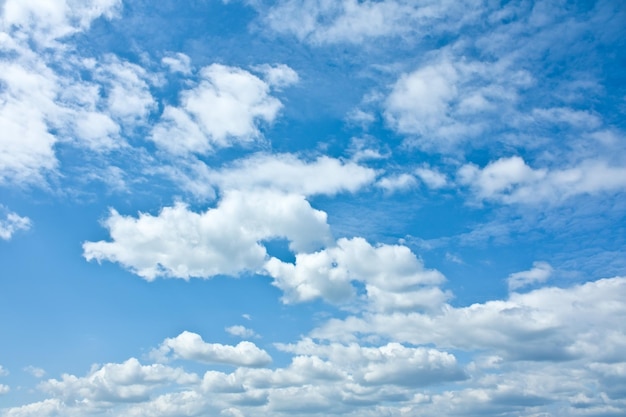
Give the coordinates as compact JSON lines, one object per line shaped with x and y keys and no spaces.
{"x":551,"y":350}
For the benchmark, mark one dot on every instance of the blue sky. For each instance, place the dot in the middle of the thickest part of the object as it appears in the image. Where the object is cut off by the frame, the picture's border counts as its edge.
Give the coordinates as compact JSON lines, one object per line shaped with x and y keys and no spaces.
{"x":311,"y":207}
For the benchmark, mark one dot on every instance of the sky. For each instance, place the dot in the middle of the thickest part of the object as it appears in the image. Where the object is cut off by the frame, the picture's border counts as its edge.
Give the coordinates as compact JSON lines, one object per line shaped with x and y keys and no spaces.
{"x":312,"y":207}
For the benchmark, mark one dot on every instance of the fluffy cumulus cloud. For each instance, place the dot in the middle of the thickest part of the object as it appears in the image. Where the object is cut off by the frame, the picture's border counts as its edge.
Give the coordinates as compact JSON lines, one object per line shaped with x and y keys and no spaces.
{"x":555,"y":350}
{"x":393,"y":276}
{"x":9,"y":225}
{"x":512,"y":181}
{"x":547,"y":323}
{"x":190,"y":346}
{"x":227,"y":239}
{"x":128,"y":381}
{"x":227,"y":106}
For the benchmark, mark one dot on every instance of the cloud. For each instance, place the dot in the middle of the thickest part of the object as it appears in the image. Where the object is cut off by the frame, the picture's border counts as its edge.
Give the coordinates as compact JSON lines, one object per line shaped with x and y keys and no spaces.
{"x":241,"y":331}
{"x":50,"y":20}
{"x":512,"y":181}
{"x":124,"y":382}
{"x":34,"y":371}
{"x":226,"y":107}
{"x":287,"y":173}
{"x":4,"y":389}
{"x":450,"y":99}
{"x":539,"y":273}
{"x":323,"y":22}
{"x":397,"y":183}
{"x":278,"y":76}
{"x":549,"y":323}
{"x":12,"y":223}
{"x":432,"y":178}
{"x":392,"y":363}
{"x":3,"y":371}
{"x":180,"y":243}
{"x":178,"y":62}
{"x":393,"y":276}
{"x":190,"y":346}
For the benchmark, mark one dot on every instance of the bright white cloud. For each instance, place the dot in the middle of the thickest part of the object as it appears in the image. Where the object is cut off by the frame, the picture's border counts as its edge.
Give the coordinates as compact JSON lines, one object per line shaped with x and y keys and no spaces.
{"x":544,"y":324}
{"x":539,"y":273}
{"x":117,"y":382}
{"x":180,"y":243}
{"x":190,"y":346}
{"x":9,"y":225}
{"x":511,"y":180}
{"x":241,"y":331}
{"x":393,"y":276}
{"x":226,"y":107}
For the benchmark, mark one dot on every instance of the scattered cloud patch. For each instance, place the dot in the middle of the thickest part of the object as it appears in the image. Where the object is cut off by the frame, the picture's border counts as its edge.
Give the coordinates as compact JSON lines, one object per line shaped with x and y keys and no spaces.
{"x":10,"y":224}
{"x":512,"y":181}
{"x":539,"y":273}
{"x":35,"y":371}
{"x":241,"y":331}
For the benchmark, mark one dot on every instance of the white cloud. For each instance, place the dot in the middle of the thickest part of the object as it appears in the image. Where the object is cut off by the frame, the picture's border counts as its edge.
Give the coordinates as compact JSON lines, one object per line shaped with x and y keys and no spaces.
{"x":356,"y":21}
{"x":539,"y":273}
{"x":180,"y":243}
{"x":241,"y":331}
{"x":190,"y":346}
{"x":128,"y":96}
{"x":47,"y":408}
{"x":278,"y":76}
{"x":449,"y":100}
{"x":544,"y":324}
{"x":287,"y":173}
{"x":117,"y":382}
{"x":226,"y":107}
{"x":12,"y":223}
{"x":393,"y":276}
{"x":511,"y":180}
{"x":35,"y":371}
{"x":3,"y":371}
{"x":178,"y":62}
{"x":432,"y":178}
{"x":4,"y":389}
{"x":397,"y":183}
{"x":49,"y":20}
{"x":420,"y":101}
{"x":392,"y":363}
